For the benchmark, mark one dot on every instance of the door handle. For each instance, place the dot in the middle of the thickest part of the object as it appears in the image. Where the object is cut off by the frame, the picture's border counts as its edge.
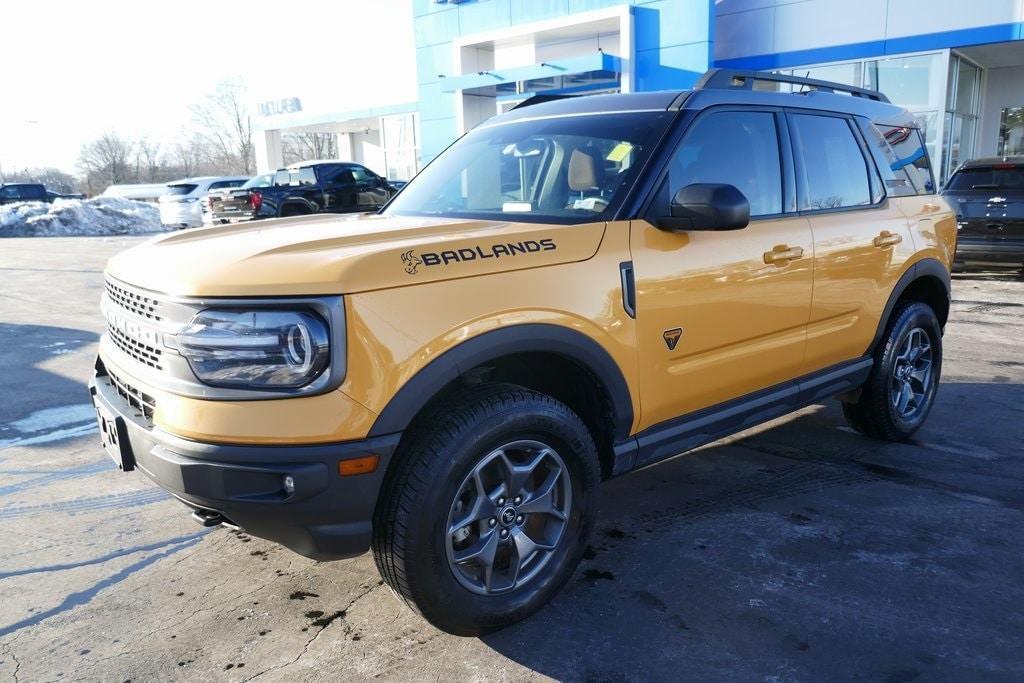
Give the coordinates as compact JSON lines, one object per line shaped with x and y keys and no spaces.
{"x":886,"y":239}
{"x":782,"y":254}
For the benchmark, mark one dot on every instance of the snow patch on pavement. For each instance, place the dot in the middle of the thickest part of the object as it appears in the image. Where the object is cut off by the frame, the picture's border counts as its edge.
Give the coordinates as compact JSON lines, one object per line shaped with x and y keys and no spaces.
{"x":71,"y":217}
{"x":49,"y":424}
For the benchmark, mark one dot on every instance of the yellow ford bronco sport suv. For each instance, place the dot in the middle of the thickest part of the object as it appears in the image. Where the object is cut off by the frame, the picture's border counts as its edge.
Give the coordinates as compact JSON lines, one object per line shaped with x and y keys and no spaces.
{"x":574,"y":289}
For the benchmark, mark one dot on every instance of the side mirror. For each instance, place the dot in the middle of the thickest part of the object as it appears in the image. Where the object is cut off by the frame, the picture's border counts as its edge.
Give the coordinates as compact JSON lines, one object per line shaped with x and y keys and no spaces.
{"x":706,"y":206}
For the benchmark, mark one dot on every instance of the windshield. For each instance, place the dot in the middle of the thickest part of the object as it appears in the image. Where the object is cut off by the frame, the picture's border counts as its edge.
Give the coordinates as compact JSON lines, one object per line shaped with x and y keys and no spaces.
{"x":555,"y":170}
{"x":1006,"y":177}
{"x":258,"y":181}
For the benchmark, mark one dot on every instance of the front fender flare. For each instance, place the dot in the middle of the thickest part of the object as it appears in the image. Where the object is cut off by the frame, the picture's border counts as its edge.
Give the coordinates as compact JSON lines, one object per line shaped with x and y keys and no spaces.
{"x":495,"y":344}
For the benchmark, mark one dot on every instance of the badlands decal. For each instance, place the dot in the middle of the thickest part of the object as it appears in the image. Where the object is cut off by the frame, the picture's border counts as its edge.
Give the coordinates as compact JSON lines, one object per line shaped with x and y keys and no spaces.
{"x":411,"y":261}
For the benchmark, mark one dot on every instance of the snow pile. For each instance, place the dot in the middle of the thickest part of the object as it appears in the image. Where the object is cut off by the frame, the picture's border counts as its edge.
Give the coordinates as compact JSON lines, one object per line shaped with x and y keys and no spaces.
{"x":70,"y":217}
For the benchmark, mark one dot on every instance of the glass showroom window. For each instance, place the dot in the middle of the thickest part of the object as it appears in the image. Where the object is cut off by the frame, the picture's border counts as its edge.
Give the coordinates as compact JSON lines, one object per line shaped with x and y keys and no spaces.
{"x":400,"y":146}
{"x":961,"y":114}
{"x":1011,"y":131}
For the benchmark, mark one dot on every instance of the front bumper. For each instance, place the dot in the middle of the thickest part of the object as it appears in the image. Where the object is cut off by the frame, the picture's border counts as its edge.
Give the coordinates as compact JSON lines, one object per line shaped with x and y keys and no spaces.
{"x":326,"y":517}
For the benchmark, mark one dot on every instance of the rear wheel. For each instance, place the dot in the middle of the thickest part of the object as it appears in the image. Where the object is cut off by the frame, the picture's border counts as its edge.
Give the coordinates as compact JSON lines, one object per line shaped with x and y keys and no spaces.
{"x":487,"y":513}
{"x":900,"y":391}
{"x":294,"y":210}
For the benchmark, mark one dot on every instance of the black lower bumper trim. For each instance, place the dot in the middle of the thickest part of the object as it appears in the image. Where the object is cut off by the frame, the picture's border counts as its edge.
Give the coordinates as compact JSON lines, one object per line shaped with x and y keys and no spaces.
{"x":289,"y":494}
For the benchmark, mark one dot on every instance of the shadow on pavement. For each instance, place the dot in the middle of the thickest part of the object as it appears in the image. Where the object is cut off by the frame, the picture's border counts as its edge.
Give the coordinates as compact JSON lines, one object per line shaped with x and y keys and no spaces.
{"x":27,"y":388}
{"x":804,"y":550}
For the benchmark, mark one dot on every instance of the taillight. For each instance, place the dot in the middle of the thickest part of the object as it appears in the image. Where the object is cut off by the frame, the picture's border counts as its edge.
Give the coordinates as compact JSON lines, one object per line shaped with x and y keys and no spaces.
{"x":255,"y":200}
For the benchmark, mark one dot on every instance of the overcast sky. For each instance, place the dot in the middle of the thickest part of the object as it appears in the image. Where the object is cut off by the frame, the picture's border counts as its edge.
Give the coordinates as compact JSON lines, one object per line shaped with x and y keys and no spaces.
{"x":73,"y":69}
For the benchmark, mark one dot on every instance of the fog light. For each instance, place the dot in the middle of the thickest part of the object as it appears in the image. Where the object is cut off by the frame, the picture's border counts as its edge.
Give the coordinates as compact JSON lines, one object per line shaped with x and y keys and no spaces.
{"x":289,"y":484}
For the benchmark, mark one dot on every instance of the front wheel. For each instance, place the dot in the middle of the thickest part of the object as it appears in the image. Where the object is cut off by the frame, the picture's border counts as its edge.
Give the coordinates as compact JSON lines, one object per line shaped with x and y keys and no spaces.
{"x":487,"y":512}
{"x":900,"y":390}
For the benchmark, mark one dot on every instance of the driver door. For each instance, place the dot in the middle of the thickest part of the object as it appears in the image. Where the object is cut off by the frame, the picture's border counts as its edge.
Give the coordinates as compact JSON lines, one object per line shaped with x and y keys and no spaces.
{"x":720,"y":314}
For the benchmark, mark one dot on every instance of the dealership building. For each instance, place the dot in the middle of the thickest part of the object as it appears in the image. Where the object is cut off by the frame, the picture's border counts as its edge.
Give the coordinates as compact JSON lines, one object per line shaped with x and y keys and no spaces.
{"x":958,"y":66}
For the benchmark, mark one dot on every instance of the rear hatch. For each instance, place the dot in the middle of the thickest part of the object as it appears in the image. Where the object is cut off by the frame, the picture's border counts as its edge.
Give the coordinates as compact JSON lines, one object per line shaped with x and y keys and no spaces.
{"x":989,"y":202}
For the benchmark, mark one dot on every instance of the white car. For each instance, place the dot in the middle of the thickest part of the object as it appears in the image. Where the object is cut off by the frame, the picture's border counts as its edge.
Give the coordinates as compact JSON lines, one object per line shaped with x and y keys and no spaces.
{"x":180,"y":205}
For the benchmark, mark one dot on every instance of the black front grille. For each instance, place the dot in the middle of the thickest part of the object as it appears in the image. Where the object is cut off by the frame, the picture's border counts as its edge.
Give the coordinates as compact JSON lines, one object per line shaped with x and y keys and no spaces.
{"x":143,"y":403}
{"x":143,"y":353}
{"x":134,"y":302}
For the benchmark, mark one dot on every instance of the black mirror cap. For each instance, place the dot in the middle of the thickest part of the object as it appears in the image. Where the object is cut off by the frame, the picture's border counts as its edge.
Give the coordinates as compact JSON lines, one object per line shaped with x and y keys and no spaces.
{"x":707,"y":206}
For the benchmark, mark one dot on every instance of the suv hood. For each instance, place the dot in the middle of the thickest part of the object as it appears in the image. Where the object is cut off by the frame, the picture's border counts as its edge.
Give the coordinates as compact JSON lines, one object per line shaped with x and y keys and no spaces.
{"x":330,"y":254}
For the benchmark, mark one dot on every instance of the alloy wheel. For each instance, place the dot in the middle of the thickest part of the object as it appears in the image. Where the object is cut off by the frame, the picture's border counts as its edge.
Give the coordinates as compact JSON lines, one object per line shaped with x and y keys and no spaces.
{"x":508,"y":517}
{"x":911,"y":380}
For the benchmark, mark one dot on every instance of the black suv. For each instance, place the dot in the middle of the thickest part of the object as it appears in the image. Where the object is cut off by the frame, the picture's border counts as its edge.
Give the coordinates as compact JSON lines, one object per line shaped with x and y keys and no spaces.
{"x":316,"y":187}
{"x":988,"y":197}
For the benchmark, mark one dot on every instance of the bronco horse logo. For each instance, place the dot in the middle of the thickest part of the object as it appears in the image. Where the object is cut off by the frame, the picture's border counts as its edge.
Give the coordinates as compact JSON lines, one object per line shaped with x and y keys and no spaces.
{"x":411,"y":261}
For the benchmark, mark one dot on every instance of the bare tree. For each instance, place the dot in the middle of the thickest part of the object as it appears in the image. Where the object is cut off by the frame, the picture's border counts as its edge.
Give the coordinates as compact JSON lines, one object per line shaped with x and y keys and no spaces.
{"x":53,"y":178}
{"x":105,"y":161}
{"x":225,"y":126}
{"x":189,"y":156}
{"x":148,"y":166}
{"x":297,"y":147}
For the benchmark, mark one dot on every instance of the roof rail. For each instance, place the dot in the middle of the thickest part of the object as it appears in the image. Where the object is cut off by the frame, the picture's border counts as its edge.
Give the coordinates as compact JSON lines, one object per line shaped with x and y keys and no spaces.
{"x":541,"y":99}
{"x":727,"y":79}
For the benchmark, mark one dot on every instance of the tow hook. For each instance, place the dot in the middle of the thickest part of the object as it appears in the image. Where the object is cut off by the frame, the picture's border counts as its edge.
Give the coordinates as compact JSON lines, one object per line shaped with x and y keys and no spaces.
{"x":212,"y":518}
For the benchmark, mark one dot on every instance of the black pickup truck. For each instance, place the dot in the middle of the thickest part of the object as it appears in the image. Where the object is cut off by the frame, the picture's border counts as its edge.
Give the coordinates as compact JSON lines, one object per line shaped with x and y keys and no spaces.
{"x":321,"y":187}
{"x":31,"y":192}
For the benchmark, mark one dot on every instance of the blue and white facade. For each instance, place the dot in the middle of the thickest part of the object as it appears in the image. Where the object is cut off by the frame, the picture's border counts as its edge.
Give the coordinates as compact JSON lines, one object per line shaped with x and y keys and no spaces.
{"x":959,"y":66}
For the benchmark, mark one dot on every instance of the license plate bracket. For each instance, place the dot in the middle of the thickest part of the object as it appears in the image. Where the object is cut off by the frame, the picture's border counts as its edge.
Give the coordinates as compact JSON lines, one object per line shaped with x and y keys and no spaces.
{"x":114,"y":436}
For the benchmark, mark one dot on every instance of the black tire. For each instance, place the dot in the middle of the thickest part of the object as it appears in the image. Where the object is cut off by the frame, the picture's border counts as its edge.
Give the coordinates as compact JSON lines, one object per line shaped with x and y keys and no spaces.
{"x":876,"y":411}
{"x":411,"y":542}
{"x":294,"y":210}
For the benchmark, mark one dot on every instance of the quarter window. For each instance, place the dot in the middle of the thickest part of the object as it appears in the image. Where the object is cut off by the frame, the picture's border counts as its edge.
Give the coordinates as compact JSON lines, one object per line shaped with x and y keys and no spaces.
{"x":833,"y":170}
{"x":739,"y":148}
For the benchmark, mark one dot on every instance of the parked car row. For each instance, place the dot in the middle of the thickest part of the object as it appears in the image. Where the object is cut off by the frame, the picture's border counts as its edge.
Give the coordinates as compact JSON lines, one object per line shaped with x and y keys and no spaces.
{"x":300,"y":189}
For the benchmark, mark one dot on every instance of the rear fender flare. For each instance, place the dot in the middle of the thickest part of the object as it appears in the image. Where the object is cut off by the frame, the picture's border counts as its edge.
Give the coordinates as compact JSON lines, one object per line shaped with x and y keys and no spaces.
{"x":928,"y":267}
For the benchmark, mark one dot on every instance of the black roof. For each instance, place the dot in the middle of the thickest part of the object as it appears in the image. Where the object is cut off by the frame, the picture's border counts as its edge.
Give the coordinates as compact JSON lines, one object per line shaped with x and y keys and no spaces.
{"x":721,"y":86}
{"x":984,"y":162}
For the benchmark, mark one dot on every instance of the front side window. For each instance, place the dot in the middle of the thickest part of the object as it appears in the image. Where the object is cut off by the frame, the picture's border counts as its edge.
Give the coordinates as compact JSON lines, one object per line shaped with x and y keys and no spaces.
{"x":558,"y":170}
{"x":830,"y":163}
{"x":738,"y":148}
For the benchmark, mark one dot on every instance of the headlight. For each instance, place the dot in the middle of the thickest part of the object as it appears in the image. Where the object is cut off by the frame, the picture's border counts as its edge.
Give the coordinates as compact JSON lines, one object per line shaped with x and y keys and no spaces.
{"x":260,"y":349}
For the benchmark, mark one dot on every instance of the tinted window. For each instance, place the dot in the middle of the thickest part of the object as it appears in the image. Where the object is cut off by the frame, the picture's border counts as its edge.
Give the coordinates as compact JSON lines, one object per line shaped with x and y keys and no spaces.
{"x":360,"y":174}
{"x":910,"y":155}
{"x":225,"y":183}
{"x":1005,"y":177}
{"x":184,"y":188}
{"x":10,"y":193}
{"x":562,"y":169}
{"x":734,"y":147}
{"x":834,"y":173}
{"x":259,"y":181}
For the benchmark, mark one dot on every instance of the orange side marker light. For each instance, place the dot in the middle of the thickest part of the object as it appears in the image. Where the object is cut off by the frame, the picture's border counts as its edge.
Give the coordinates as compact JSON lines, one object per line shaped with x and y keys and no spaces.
{"x":354,"y":466}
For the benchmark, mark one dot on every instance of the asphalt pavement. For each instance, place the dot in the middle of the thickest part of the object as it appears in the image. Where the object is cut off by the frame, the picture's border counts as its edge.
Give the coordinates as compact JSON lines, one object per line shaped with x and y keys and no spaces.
{"x":799,"y":550}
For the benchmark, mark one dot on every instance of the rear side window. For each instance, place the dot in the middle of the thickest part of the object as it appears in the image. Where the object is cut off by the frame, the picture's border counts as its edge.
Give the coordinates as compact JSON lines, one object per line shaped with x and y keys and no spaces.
{"x":908,"y":154}
{"x":32,"y":192}
{"x":833,"y":172}
{"x":296,"y":176}
{"x":740,"y":148}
